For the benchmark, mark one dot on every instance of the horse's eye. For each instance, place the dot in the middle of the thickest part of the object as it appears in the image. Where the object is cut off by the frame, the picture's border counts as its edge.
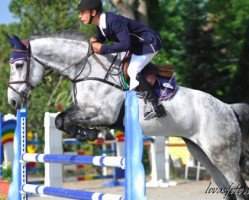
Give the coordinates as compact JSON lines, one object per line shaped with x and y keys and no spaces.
{"x":19,"y":65}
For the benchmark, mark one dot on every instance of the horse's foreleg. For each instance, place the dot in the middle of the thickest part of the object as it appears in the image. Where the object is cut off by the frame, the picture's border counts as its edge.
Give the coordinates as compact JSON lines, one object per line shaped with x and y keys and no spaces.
{"x":69,"y":121}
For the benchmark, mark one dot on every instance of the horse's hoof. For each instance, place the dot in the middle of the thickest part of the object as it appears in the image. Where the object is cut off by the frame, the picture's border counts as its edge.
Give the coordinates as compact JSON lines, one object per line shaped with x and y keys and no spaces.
{"x":92,"y":136}
{"x":71,"y":134}
{"x":109,"y":136}
{"x":81,"y":134}
{"x":80,"y":139}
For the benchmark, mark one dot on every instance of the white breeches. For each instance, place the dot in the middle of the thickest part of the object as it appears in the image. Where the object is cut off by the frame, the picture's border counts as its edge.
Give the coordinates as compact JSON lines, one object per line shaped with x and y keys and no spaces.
{"x":137,"y":63}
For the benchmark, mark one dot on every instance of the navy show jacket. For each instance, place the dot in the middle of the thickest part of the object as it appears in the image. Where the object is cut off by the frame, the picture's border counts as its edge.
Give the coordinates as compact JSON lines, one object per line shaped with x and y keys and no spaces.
{"x":128,"y":35}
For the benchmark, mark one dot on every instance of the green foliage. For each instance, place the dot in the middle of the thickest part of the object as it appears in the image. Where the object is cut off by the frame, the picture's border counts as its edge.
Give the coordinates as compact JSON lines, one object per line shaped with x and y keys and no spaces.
{"x":202,"y":64}
{"x":165,"y":18}
{"x":7,"y":174}
{"x":146,"y":162}
{"x":199,"y":64}
{"x":241,"y":78}
{"x":45,"y":17}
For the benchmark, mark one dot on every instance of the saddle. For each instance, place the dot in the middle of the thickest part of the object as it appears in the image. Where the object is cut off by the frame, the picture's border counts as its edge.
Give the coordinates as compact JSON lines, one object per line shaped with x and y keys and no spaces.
{"x":150,"y":71}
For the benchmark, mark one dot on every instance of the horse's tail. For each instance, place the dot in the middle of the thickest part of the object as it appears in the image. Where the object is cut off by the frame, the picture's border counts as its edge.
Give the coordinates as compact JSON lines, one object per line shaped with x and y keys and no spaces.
{"x":242,"y":112}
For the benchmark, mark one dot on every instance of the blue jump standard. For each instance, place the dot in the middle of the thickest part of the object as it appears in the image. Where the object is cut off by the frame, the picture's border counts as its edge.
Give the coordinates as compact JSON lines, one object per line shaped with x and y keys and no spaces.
{"x":134,"y":171}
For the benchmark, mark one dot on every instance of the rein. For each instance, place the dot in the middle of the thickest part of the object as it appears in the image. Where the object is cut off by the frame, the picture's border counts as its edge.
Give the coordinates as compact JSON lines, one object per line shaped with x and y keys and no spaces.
{"x":108,"y":73}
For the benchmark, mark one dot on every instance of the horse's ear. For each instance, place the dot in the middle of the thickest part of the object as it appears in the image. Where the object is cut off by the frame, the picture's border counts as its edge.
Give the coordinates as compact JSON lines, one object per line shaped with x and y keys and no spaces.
{"x":16,"y":42}
{"x":16,"y":38}
{"x":11,"y":40}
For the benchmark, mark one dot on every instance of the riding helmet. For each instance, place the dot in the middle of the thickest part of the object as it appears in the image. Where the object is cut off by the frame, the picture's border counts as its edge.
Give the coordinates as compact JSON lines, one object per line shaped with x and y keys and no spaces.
{"x":90,"y":5}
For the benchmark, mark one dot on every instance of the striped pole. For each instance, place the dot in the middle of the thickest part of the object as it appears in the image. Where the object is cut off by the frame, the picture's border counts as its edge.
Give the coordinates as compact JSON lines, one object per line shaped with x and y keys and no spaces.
{"x":108,"y":161}
{"x":68,"y":193}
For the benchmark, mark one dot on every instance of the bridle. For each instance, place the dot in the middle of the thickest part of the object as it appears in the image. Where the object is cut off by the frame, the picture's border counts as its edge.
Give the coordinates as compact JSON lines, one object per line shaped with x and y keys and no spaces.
{"x":29,"y":87}
{"x":26,"y":92}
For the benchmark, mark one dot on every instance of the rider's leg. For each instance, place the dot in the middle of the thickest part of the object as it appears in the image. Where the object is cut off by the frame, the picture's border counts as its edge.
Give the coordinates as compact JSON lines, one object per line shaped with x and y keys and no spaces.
{"x":137,"y":63}
{"x":156,"y":110}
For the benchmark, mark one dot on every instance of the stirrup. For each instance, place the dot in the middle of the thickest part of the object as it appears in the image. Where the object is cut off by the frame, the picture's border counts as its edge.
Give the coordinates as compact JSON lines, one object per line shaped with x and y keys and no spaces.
{"x":149,"y":111}
{"x":160,"y":110}
{"x":155,"y":111}
{"x":150,"y":115}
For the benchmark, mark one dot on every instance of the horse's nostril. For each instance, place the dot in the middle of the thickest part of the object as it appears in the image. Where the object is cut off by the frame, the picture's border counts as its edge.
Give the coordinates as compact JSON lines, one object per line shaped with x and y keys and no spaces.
{"x":13,"y":103}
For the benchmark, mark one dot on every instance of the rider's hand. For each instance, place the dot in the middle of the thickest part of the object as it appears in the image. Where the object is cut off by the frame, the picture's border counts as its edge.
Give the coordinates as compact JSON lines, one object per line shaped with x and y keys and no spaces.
{"x":93,"y":40}
{"x":96,"y":47}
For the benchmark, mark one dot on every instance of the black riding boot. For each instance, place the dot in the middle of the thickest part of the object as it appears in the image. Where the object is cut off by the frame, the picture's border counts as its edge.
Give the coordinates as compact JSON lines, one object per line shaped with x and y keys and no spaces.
{"x":156,"y":110}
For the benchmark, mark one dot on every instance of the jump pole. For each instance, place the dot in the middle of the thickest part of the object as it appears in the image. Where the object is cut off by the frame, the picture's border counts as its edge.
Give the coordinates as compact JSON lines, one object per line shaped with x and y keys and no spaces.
{"x":134,"y":171}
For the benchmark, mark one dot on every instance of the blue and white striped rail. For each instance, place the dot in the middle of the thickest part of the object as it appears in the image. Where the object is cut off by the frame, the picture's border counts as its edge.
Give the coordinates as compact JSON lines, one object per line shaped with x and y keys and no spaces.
{"x":108,"y":161}
{"x":70,"y":194}
{"x":134,"y":171}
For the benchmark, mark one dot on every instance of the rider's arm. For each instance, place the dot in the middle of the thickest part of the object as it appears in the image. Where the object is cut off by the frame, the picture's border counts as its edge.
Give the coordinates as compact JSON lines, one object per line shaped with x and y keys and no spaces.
{"x":124,"y":42}
{"x":99,"y":37}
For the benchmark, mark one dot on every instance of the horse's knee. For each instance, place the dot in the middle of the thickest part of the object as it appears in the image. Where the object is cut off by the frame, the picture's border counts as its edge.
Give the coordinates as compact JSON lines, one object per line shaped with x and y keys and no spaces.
{"x":63,"y":123}
{"x":59,"y":121}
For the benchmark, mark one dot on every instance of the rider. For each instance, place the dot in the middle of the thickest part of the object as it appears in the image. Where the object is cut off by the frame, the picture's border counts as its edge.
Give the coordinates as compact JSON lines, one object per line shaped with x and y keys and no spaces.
{"x":129,"y":35}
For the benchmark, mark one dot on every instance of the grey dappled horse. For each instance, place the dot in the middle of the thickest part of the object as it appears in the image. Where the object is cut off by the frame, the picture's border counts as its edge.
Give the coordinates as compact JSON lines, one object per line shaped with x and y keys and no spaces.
{"x":216,"y":133}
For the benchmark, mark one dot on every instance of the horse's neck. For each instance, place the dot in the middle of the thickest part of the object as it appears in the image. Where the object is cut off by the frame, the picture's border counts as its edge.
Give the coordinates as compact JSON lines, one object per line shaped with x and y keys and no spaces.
{"x":63,"y":55}
{"x":68,"y":57}
{"x":106,"y":66}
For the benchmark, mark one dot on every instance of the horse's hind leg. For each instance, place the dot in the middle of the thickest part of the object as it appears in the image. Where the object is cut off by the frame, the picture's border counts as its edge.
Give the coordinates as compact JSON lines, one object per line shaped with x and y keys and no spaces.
{"x":214,"y":172}
{"x":243,"y":192}
{"x":69,"y":121}
{"x":226,"y":157}
{"x":225,"y":172}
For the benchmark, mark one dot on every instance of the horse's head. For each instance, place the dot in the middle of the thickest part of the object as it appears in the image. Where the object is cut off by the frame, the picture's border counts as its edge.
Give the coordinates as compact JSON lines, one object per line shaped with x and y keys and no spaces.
{"x":24,"y":75}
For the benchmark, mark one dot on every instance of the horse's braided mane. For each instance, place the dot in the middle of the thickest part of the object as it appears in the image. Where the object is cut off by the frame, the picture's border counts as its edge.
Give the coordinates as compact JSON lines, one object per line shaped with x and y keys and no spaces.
{"x":67,"y":34}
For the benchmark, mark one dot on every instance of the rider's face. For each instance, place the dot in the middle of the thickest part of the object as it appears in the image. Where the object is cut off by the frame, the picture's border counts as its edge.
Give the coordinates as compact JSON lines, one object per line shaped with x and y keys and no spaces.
{"x":84,"y":16}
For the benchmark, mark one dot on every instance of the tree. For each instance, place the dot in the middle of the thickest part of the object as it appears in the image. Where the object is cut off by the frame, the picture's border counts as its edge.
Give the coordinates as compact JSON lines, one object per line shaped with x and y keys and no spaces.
{"x":134,"y":9}
{"x":165,"y":18}
{"x":230,"y":20}
{"x":200,"y":56}
{"x":241,"y":80}
{"x":45,"y":17}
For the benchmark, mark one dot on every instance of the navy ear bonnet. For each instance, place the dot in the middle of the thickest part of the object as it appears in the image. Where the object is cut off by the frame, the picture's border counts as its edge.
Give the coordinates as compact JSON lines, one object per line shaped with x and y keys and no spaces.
{"x":21,"y":49}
